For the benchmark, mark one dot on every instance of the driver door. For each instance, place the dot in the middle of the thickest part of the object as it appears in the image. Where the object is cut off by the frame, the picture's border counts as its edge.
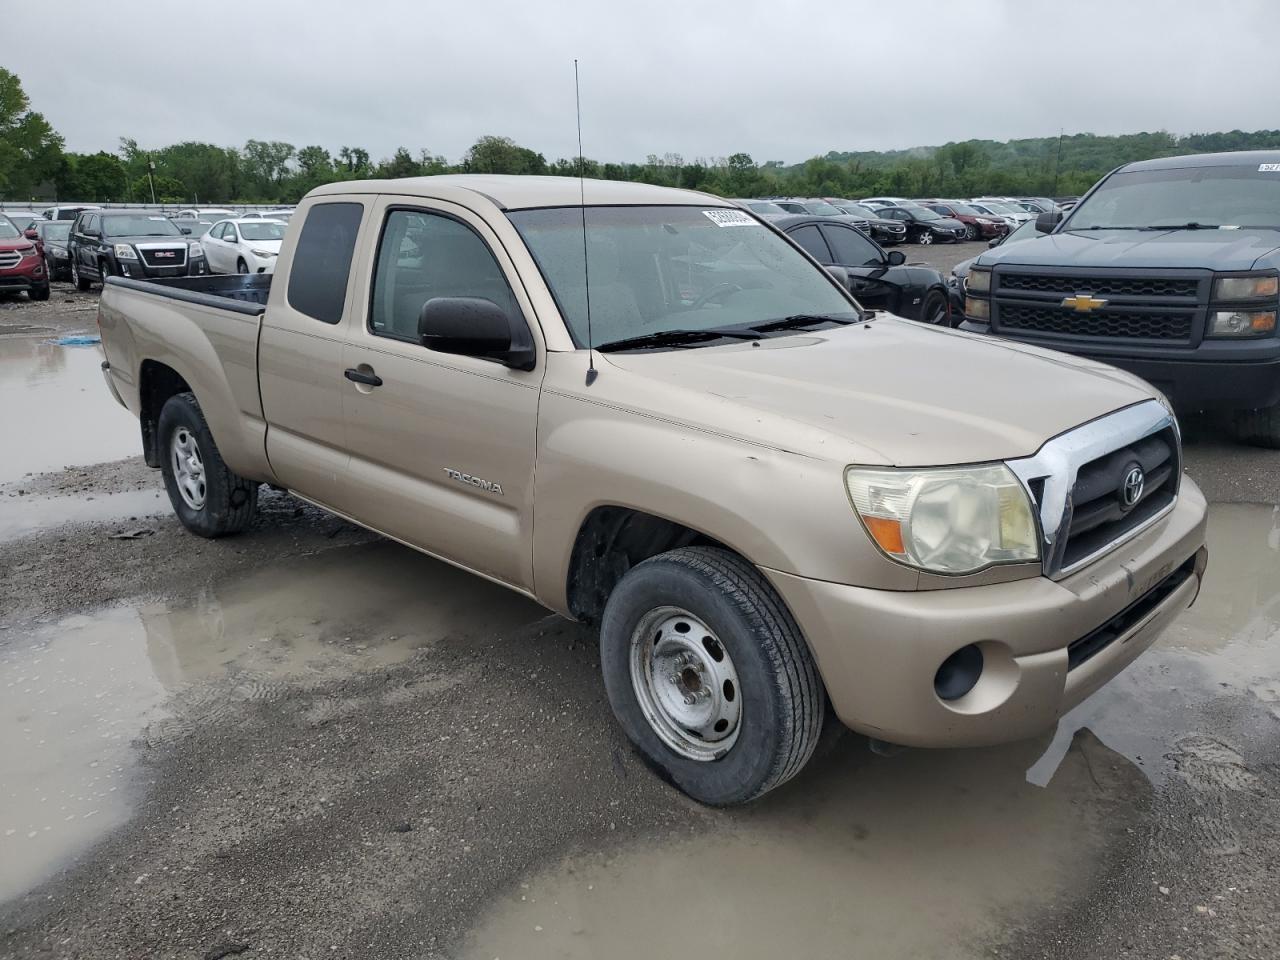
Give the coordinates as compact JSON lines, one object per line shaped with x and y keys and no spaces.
{"x":865,"y":263}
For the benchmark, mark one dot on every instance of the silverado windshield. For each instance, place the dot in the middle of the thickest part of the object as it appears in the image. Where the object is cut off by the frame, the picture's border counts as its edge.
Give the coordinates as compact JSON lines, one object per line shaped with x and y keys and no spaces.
{"x":667,"y":268}
{"x":139,"y":226}
{"x":1239,"y":196}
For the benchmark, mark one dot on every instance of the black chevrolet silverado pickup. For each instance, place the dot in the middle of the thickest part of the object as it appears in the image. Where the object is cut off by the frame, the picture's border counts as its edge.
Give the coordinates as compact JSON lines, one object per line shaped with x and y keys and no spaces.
{"x":1167,"y":268}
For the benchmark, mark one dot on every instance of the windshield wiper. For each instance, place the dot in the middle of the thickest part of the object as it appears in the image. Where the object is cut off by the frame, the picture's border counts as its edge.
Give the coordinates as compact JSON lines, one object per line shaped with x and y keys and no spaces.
{"x":798,"y":320}
{"x":1183,"y":226}
{"x":675,"y":338}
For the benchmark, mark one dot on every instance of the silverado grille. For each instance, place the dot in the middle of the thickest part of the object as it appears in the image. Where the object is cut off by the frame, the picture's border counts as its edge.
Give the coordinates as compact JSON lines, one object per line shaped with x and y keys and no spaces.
{"x":1131,"y":324}
{"x":1101,"y":483}
{"x":1165,"y":306}
{"x":9,"y":259}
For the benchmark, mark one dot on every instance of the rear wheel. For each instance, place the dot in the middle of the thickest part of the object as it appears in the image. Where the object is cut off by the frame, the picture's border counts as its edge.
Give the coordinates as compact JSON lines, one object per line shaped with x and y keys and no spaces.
{"x":207,"y":496}
{"x":1260,"y":428}
{"x":709,"y":675}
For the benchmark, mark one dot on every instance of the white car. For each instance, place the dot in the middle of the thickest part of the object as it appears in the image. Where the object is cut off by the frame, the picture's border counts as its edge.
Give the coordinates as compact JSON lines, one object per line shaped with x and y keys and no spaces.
{"x":205,"y":213}
{"x":243,"y":245}
{"x":1002,"y":208}
{"x":267,"y":215}
{"x":884,"y":201}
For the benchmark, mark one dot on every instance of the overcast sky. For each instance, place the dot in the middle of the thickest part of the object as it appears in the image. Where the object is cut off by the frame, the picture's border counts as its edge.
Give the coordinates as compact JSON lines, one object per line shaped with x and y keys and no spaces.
{"x":702,"y":78}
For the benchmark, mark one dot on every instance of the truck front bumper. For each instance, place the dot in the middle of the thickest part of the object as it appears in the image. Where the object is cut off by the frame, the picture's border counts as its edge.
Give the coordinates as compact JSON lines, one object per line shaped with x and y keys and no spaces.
{"x":1046,"y":645}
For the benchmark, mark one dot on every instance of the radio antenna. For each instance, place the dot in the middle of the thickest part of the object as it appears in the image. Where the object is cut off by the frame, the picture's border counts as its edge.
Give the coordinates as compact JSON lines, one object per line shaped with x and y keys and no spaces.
{"x":592,"y":373}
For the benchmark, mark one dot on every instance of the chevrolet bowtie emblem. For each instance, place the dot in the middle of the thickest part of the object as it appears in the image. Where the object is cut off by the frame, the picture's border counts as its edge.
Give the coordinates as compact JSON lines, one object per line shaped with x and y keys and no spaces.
{"x":1083,"y":303}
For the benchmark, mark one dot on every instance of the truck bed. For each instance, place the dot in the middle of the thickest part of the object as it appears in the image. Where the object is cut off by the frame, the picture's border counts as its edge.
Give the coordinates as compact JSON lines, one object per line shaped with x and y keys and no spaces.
{"x":241,"y":293}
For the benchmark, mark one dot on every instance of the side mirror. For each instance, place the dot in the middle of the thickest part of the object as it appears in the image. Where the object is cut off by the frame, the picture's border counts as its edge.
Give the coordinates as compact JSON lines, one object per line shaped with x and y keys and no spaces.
{"x":471,"y":327}
{"x":996,"y":241}
{"x":1045,"y":222}
{"x":895,"y":258}
{"x":186,"y":230}
{"x":840,"y":274}
{"x":31,"y":233}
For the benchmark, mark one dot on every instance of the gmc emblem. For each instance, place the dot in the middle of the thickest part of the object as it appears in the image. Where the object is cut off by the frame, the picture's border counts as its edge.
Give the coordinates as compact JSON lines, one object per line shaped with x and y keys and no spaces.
{"x":164,"y":253}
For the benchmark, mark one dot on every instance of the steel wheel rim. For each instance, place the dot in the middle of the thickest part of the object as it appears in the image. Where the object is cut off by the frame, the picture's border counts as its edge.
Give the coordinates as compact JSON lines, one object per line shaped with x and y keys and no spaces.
{"x":188,"y":468}
{"x":686,"y":684}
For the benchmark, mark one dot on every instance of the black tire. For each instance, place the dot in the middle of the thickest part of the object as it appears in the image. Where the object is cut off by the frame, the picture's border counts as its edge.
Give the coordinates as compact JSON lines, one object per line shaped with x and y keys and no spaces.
{"x":81,"y":282}
{"x":971,"y":231}
{"x":39,"y":293}
{"x":104,"y":270}
{"x":781,"y":695}
{"x":229,"y":500}
{"x":934,"y":309}
{"x":1258,"y":428}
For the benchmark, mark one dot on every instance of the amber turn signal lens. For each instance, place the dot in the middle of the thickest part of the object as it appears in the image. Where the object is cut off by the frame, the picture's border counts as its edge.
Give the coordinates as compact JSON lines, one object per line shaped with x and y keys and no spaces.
{"x":887,"y":533}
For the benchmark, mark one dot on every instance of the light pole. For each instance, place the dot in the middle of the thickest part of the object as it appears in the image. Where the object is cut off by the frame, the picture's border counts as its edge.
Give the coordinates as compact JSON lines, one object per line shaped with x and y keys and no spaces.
{"x":151,"y":166}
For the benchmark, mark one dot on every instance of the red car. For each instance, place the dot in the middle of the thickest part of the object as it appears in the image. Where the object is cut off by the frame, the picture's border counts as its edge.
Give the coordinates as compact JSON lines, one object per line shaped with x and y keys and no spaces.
{"x":21,"y":266}
{"x":975,"y":224}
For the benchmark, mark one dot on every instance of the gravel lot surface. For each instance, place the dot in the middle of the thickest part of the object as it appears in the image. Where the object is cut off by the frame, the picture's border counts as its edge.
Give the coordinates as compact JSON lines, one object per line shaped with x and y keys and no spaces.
{"x":307,"y":741}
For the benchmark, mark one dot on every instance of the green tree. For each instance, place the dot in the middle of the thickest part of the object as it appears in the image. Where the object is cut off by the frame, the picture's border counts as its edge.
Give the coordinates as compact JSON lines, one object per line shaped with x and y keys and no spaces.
{"x":400,"y":165}
{"x":30,"y":149}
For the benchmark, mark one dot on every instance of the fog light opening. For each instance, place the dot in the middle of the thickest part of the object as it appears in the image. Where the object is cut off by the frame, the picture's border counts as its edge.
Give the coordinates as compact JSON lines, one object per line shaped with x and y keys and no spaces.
{"x":959,"y":673}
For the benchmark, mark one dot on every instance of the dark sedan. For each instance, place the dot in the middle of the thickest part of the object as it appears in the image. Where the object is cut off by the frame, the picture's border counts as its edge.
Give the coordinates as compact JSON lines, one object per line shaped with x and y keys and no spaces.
{"x":925,"y":226}
{"x":882,"y":229}
{"x":879,"y":279}
{"x":52,"y":237}
{"x":977,"y":225}
{"x":130,"y":243}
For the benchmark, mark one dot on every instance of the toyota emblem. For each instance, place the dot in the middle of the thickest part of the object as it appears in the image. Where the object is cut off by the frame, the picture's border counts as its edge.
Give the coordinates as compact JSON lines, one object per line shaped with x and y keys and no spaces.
{"x":1131,"y":489}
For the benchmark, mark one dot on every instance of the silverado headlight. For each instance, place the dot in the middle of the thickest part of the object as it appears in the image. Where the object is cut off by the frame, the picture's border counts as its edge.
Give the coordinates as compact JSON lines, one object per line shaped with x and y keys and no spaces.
{"x":946,"y":520}
{"x":1245,"y":288}
{"x":1241,"y":323}
{"x":979,"y":280}
{"x":263,"y":253}
{"x":125,"y":252}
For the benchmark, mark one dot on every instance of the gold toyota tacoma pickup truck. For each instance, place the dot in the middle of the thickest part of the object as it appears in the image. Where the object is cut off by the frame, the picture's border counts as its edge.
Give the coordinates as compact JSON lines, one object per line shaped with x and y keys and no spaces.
{"x":650,"y":411}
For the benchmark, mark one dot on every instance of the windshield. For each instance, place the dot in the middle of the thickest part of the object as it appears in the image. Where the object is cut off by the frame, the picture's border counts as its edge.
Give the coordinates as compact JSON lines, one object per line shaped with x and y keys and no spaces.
{"x":7,"y":230}
{"x":963,"y":209}
{"x":858,"y":210}
{"x":262,"y":230}
{"x":672,"y":268}
{"x":767,"y":209}
{"x":821,"y":208}
{"x":56,"y":230}
{"x":1237,"y":196}
{"x":138,"y":225}
{"x":921,"y":213}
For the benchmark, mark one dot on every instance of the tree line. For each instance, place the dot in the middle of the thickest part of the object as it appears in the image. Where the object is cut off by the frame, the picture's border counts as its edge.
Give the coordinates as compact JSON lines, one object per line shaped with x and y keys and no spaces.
{"x":35,"y":165}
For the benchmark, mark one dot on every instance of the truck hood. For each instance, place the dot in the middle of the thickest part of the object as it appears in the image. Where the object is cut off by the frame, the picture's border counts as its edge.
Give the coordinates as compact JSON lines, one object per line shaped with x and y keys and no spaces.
{"x":888,"y":392}
{"x":1205,"y":249}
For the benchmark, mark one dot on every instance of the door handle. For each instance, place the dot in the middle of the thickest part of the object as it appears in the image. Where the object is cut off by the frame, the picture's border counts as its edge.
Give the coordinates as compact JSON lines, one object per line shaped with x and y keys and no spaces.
{"x":369,"y":379}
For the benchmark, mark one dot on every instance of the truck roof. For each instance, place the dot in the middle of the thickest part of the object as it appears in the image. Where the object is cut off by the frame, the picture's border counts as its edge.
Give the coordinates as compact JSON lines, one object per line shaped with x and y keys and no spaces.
{"x":1235,"y":158}
{"x":518,"y":192}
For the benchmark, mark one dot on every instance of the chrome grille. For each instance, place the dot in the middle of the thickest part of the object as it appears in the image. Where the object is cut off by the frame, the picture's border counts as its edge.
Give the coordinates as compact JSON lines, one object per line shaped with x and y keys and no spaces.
{"x":9,"y":259}
{"x":1077,"y":482}
{"x":164,"y":256}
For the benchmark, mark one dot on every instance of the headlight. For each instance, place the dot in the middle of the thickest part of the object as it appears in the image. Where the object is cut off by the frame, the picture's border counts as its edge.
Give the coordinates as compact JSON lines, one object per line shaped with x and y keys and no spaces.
{"x":263,"y":253}
{"x":1245,"y":288}
{"x":1242,"y":323}
{"x":979,"y":280}
{"x":195,"y":251}
{"x":949,"y":520}
{"x":28,"y":252}
{"x":125,"y":252}
{"x":984,"y":221}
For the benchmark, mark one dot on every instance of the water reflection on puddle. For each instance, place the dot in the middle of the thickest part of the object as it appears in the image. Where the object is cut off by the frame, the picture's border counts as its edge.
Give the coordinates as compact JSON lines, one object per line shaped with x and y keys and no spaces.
{"x":76,"y":695}
{"x":57,"y":409}
{"x":23,"y":516}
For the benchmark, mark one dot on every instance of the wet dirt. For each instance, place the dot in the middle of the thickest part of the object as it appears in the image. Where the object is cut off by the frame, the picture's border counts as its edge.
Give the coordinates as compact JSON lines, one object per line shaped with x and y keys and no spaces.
{"x":22,"y":516}
{"x":57,"y":409}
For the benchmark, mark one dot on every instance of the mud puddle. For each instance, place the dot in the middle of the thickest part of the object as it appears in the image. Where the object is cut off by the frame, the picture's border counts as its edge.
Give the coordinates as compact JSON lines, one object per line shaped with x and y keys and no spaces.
{"x":22,"y":516}
{"x":57,"y":409}
{"x":935,"y":853}
{"x":78,"y":698}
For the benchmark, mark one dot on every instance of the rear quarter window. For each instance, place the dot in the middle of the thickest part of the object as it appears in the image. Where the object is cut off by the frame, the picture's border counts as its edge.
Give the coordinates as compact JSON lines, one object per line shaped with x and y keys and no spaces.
{"x":322,"y":260}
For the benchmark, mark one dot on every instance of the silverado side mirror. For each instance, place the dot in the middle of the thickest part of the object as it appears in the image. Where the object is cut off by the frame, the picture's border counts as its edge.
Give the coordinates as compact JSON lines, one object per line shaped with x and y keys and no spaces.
{"x":840,"y":274}
{"x":471,"y":327}
{"x":895,"y":258}
{"x":1045,"y":222}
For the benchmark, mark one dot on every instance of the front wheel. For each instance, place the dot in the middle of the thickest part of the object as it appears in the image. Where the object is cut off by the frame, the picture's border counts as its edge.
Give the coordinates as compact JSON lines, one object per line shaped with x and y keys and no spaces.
{"x":1258,"y":428}
{"x":207,"y":496}
{"x":925,"y":237}
{"x":934,"y":311}
{"x":82,"y":284}
{"x":970,"y":231}
{"x":709,"y":675}
{"x":39,"y":293}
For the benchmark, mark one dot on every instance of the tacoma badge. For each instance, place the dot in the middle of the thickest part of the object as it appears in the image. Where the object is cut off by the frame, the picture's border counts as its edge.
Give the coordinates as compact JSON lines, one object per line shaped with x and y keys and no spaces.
{"x":488,"y":486}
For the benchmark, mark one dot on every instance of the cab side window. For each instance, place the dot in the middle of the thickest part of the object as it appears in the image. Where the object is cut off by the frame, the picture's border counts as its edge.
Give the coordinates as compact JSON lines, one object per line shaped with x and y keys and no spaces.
{"x":426,"y":255}
{"x":322,"y":260}
{"x":810,"y":238}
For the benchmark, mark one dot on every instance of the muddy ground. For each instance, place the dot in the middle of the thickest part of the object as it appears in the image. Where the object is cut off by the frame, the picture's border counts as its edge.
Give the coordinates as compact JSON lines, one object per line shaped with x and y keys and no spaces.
{"x":309,"y":742}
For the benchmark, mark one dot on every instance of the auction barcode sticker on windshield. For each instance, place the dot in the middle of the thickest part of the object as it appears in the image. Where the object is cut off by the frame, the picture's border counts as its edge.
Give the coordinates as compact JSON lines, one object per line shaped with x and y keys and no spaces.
{"x":1269,"y":168}
{"x":730,"y":218}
